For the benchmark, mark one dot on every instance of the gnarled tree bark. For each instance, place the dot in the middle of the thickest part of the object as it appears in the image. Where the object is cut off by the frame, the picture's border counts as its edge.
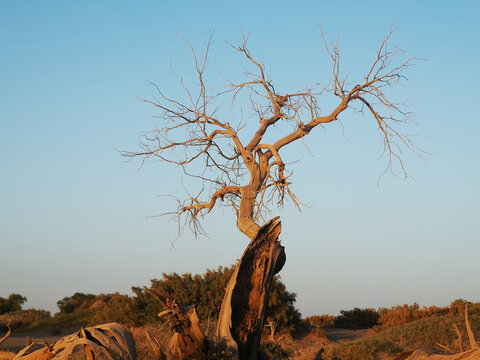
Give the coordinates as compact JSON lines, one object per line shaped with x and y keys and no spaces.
{"x":242,"y":314}
{"x":188,"y":340}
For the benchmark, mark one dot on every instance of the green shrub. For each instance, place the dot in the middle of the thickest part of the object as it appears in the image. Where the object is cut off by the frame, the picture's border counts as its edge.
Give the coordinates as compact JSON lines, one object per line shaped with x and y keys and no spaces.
{"x":320,"y":321}
{"x":281,"y":309}
{"x":23,"y":319}
{"x":119,"y":308}
{"x":207,"y":291}
{"x":77,"y":301}
{"x":218,"y":349}
{"x":13,"y":303}
{"x":271,"y":350}
{"x":357,"y":318}
{"x":316,"y":323}
{"x":76,"y":319}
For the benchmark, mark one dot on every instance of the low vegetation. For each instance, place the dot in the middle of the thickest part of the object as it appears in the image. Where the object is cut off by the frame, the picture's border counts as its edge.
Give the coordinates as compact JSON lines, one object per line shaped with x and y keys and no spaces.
{"x":392,"y":331}
{"x":357,"y":319}
{"x":413,"y":328}
{"x":205,"y":291}
{"x":13,"y":303}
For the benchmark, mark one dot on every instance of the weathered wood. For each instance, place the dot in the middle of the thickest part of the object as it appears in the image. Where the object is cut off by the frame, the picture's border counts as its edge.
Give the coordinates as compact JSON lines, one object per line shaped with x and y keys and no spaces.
{"x":188,"y":339}
{"x":471,"y":338}
{"x":242,"y":314}
{"x":9,"y":332}
{"x":109,"y":341}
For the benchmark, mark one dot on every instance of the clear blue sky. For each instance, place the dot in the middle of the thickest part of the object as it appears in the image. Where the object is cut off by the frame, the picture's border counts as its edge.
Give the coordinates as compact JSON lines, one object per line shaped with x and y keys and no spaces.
{"x":73,"y":213}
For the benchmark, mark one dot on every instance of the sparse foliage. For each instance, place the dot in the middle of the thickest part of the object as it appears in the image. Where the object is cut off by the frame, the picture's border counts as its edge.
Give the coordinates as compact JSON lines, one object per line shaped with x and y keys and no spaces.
{"x":13,"y":303}
{"x":357,"y":318}
{"x":75,"y":302}
{"x":320,"y":321}
{"x":402,"y":314}
{"x":207,"y":291}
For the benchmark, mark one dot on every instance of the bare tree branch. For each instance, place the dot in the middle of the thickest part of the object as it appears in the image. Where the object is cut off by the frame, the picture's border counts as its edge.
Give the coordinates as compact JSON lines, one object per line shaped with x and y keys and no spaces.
{"x":252,"y":178}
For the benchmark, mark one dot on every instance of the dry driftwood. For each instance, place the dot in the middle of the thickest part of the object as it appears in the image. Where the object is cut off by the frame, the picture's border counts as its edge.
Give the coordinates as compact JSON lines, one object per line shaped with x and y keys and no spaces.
{"x":109,"y":341}
{"x":188,"y":340}
{"x":245,"y":301}
{"x":9,"y":332}
{"x":6,"y":355}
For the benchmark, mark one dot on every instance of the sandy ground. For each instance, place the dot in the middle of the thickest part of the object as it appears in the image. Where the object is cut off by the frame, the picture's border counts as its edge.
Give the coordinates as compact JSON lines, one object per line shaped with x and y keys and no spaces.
{"x":344,"y":334}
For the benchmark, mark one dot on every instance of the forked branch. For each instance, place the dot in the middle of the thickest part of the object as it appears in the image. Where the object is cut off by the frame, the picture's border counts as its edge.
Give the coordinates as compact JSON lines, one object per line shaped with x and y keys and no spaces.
{"x":208,"y":144}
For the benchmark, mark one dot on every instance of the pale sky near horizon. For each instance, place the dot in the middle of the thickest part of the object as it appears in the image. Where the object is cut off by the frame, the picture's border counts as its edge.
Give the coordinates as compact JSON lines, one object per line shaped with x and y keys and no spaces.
{"x":74,"y":214}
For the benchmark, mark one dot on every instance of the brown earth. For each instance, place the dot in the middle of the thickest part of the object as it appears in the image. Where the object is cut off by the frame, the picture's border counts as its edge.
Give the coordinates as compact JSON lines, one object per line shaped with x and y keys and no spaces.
{"x":344,"y":334}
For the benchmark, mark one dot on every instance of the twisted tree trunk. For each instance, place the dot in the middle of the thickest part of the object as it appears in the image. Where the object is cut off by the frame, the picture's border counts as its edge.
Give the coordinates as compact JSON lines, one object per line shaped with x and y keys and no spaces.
{"x":188,"y":339}
{"x":242,"y":314}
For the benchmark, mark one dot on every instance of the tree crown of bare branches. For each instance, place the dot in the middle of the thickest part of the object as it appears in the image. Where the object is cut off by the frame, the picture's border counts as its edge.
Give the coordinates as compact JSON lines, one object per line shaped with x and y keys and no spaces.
{"x":251,"y":176}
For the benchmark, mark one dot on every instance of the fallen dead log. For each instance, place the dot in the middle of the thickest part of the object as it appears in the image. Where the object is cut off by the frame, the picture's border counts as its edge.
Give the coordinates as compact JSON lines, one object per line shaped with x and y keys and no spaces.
{"x":109,"y":341}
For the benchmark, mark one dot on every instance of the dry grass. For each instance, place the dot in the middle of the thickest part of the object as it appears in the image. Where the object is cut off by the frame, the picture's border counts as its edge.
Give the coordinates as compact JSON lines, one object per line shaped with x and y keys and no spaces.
{"x":151,"y":342}
{"x":5,"y":355}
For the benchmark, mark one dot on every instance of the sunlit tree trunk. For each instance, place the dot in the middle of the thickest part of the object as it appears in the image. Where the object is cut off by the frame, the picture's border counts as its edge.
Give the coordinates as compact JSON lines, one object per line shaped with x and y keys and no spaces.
{"x":242,"y":314}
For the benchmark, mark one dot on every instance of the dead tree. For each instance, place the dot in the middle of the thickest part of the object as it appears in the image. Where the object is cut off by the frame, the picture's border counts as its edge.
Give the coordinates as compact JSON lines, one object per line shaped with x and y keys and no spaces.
{"x":240,"y":166}
{"x":188,"y":340}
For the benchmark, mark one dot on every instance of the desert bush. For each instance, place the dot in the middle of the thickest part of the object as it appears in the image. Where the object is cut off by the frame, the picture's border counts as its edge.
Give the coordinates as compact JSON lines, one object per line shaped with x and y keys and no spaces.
{"x":420,"y":333}
{"x":218,"y":349}
{"x":270,"y":350}
{"x":457,"y":307}
{"x":431,"y":331}
{"x":281,"y":309}
{"x":357,"y":318}
{"x":207,"y":291}
{"x":23,"y":319}
{"x":317,"y":323}
{"x":118,"y":308}
{"x":13,"y":303}
{"x":403,"y":314}
{"x":78,"y":301}
{"x":89,"y":309}
{"x":427,"y":332}
{"x":320,"y":321}
{"x":360,"y":349}
{"x":74,"y":320}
